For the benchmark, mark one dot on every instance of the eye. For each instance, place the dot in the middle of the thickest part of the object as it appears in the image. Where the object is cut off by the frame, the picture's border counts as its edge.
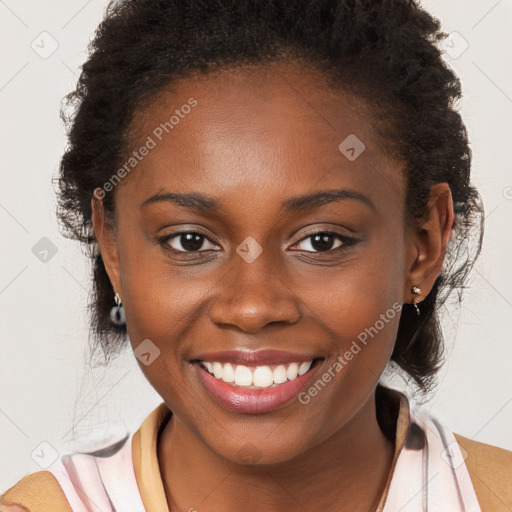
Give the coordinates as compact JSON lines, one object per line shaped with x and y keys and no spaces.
{"x":193,"y":241}
{"x":190,"y":241}
{"x":322,"y":241}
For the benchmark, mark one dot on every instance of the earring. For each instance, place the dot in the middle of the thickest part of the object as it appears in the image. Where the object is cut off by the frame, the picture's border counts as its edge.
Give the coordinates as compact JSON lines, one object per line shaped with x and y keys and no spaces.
{"x":416,"y":291}
{"x":117,"y":312}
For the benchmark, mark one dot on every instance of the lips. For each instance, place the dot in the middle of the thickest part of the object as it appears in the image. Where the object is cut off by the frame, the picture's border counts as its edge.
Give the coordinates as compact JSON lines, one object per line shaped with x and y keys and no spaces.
{"x":254,"y":382}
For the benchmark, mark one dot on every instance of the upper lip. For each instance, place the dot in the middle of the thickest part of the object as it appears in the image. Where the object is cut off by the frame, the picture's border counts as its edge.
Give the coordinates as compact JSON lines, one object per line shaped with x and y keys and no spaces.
{"x":261,"y":357}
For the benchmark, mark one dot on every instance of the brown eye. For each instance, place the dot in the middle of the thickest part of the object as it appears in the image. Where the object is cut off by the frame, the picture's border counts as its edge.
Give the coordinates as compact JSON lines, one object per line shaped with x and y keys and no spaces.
{"x":323,"y":241}
{"x":186,"y":241}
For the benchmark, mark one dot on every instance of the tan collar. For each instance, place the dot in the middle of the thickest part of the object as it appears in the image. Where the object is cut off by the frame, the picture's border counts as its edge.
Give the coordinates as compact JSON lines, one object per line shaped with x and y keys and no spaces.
{"x":147,"y":470}
{"x":145,"y":459}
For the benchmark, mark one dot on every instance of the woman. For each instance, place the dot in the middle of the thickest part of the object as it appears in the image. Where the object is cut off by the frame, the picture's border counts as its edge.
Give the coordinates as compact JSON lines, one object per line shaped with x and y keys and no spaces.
{"x":277,"y":202}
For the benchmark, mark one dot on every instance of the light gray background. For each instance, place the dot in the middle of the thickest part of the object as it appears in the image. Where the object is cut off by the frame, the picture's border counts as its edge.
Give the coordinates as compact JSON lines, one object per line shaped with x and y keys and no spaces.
{"x":43,"y":329}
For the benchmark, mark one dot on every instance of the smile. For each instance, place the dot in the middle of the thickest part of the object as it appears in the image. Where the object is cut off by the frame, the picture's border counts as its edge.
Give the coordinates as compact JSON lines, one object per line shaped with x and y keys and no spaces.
{"x":256,"y":382}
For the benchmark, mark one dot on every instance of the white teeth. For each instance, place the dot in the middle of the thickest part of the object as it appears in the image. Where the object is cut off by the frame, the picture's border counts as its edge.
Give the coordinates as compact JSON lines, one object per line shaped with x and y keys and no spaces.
{"x":228,"y":373}
{"x":292,"y":371}
{"x":259,"y":376}
{"x":280,"y":374}
{"x":263,"y":377}
{"x":243,"y":376}
{"x":217,"y":370}
{"x":304,"y":367}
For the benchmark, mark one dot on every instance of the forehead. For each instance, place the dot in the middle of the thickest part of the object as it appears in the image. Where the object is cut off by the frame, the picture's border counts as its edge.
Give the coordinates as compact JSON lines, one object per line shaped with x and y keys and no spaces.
{"x":274,"y":129}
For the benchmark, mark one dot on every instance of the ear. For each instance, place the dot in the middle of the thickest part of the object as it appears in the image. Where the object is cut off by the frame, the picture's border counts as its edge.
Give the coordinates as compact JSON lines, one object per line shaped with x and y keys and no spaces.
{"x":107,"y":241}
{"x":429,"y":241}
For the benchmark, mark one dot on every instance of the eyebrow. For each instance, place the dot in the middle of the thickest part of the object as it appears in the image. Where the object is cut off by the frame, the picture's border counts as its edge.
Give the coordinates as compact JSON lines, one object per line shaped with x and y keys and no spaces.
{"x":206,"y":204}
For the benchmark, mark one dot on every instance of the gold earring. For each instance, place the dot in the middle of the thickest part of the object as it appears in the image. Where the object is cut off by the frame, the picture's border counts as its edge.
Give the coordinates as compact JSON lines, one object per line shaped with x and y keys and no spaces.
{"x":416,"y":291}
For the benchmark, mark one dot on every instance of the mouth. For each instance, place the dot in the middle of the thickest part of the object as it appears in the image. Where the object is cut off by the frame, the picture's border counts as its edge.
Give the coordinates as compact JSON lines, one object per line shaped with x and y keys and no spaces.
{"x":255,"y":387}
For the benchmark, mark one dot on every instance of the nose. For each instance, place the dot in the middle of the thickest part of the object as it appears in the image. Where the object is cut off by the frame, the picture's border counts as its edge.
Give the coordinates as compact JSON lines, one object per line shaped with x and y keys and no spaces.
{"x":253,"y":296}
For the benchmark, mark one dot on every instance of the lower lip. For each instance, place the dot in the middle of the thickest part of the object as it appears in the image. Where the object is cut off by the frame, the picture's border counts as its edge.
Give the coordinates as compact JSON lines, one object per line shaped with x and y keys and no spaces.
{"x":250,"y":400}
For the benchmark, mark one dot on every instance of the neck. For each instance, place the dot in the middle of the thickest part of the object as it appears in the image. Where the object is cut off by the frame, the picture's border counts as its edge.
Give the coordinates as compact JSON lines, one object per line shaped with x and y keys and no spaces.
{"x":346,"y":472}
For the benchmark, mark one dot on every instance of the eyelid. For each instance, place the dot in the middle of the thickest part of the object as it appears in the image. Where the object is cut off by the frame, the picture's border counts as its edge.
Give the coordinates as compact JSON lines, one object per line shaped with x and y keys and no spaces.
{"x":326,"y":228}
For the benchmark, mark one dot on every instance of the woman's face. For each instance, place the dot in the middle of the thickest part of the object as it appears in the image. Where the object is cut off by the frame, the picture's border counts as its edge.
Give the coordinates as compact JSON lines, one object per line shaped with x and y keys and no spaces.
{"x":255,"y":277}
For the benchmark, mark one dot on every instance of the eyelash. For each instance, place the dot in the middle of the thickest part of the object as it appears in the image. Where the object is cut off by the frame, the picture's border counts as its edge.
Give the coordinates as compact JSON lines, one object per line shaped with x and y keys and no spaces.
{"x":346,"y":241}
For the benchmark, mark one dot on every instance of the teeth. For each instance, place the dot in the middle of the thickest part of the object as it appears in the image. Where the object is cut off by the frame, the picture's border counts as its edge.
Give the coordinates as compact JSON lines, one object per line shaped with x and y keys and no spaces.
{"x":292,"y":371}
{"x":280,"y":374}
{"x":304,"y":367}
{"x":228,"y":373}
{"x":259,"y":376}
{"x":218,"y":370}
{"x":263,"y":377}
{"x":243,"y":376}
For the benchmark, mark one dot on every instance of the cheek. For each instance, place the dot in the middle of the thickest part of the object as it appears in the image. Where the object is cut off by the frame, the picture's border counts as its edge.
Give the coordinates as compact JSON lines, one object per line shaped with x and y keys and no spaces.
{"x":158,"y":294}
{"x":354,"y":296}
{"x":359,"y":305}
{"x":164,"y":304}
{"x":163,"y":300}
{"x":360,"y":315}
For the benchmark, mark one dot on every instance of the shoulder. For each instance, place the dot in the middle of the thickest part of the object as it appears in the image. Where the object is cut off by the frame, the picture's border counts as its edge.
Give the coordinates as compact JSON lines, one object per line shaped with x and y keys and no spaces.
{"x":488,"y":458}
{"x":490,"y":469}
{"x":103,"y":469}
{"x":35,"y":492}
{"x":66,"y":485}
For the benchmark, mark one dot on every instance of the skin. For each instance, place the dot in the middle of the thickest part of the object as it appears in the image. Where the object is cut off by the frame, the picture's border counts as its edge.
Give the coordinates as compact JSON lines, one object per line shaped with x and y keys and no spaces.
{"x":254,"y":140}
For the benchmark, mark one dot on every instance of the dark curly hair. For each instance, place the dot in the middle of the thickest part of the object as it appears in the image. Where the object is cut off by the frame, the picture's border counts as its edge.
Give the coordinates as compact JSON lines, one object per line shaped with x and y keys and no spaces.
{"x":385,"y":52}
